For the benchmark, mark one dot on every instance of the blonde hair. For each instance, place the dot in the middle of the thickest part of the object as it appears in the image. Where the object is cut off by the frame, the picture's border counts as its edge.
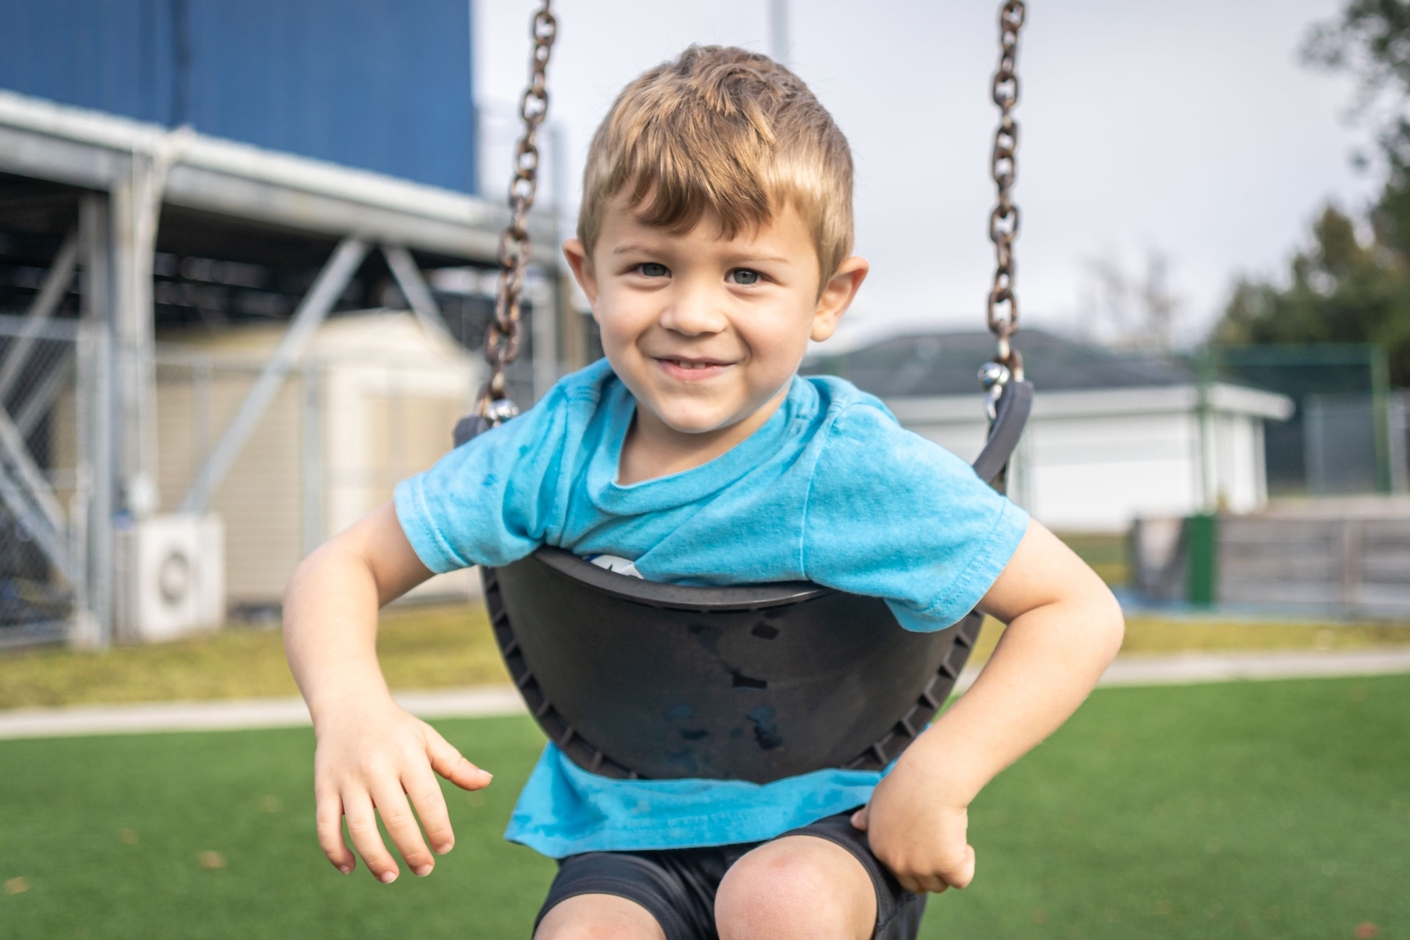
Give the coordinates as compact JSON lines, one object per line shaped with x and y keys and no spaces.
{"x":723,"y":130}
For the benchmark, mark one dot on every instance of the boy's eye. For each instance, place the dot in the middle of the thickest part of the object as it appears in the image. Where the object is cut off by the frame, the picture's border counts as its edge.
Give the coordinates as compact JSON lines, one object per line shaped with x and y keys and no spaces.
{"x":743,"y":276}
{"x":652,"y":269}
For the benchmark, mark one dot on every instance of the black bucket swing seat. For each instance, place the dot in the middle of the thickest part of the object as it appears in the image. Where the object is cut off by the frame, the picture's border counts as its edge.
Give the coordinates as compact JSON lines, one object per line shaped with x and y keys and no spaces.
{"x":753,"y":682}
{"x":636,"y":679}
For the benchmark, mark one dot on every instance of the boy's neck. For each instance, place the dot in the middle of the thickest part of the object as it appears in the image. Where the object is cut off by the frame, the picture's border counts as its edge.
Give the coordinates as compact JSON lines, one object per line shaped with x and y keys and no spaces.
{"x":654,"y":449}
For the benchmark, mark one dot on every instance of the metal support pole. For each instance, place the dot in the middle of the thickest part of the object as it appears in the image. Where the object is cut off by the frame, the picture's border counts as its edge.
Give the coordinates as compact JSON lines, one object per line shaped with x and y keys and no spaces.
{"x":562,"y":342}
{"x":96,"y":443}
{"x":414,"y":288}
{"x":136,"y":202}
{"x":134,"y":338}
{"x":1380,"y":415}
{"x":51,"y":294}
{"x":1208,"y":482}
{"x":543,"y":321}
{"x":778,"y":31}
{"x":315,"y":306}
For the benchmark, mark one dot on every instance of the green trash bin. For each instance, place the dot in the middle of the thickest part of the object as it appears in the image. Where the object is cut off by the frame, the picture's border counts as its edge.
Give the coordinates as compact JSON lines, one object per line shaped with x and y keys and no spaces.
{"x":1202,"y":558}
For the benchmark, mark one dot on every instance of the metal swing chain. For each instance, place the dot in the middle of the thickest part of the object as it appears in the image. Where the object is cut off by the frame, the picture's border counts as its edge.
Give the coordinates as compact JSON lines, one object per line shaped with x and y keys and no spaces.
{"x":1003,"y":221}
{"x":503,"y":336}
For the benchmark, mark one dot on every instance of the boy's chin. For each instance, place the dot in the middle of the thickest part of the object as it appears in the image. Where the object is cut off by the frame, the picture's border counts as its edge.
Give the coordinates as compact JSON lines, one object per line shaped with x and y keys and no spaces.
{"x":697,"y":424}
{"x":696,"y":421}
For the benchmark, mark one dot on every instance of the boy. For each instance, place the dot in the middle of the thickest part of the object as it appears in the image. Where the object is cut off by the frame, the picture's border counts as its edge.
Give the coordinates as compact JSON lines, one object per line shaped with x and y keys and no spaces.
{"x":714,"y":242}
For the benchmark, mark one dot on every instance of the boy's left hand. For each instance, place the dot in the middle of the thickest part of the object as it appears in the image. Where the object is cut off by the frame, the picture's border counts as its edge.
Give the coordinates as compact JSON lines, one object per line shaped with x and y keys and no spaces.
{"x":916,"y":832}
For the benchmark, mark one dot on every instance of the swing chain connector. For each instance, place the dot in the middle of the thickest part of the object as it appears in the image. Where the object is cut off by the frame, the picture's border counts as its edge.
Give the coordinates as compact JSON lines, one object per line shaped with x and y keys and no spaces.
{"x":994,"y":377}
{"x":502,"y":338}
{"x":1003,"y":220}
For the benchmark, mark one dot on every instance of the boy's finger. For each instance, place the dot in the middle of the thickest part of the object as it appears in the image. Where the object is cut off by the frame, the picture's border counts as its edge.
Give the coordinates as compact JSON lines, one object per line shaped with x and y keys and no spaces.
{"x":962,"y":873}
{"x":922,"y":884}
{"x":911,"y":883}
{"x":362,"y":828}
{"x":430,"y":806}
{"x":448,"y":762}
{"x":401,"y":826}
{"x":329,"y":821}
{"x":859,"y":819}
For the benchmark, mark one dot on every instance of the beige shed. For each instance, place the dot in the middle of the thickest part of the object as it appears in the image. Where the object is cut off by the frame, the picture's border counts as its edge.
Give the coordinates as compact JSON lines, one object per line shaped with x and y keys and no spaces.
{"x":372,"y":401}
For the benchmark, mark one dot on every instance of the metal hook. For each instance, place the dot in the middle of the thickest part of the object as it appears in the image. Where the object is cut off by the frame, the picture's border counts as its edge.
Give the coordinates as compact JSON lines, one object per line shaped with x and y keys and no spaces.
{"x":993,"y":376}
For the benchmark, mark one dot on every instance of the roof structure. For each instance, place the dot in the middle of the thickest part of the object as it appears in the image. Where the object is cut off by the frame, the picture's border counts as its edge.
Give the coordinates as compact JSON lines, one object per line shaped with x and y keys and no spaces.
{"x":224,"y":181}
{"x":938,"y":364}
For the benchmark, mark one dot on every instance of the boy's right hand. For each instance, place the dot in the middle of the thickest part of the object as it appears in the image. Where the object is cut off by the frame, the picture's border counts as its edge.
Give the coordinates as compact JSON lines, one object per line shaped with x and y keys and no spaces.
{"x":371,"y":757}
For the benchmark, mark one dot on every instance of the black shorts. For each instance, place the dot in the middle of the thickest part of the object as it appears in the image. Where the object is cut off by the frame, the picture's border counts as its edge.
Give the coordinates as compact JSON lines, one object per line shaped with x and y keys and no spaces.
{"x":678,"y":885}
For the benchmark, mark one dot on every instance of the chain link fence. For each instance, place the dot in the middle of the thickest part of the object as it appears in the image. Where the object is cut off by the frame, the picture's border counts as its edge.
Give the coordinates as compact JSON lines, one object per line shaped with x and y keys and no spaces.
{"x":40,"y":482}
{"x":1349,"y":431}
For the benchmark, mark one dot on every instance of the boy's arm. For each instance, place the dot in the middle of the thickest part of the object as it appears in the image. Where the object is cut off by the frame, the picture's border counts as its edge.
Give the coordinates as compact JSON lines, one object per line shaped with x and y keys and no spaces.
{"x":371,"y":754}
{"x":1064,"y":628}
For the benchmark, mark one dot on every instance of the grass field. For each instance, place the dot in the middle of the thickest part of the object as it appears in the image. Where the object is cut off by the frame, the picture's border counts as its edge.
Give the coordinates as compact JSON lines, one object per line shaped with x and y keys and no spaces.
{"x":1267,"y":810}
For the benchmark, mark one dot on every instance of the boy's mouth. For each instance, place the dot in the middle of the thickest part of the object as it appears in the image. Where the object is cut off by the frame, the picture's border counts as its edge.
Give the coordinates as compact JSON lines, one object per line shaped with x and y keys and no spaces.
{"x":691,"y":368}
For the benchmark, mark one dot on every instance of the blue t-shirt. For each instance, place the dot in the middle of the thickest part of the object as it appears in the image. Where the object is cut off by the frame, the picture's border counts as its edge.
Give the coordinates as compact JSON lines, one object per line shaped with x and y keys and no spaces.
{"x":831,"y":489}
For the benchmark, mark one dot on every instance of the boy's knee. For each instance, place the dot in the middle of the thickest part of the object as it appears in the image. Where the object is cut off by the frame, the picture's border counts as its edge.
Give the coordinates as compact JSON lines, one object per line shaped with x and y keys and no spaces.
{"x":598,"y":917}
{"x":798,"y":887}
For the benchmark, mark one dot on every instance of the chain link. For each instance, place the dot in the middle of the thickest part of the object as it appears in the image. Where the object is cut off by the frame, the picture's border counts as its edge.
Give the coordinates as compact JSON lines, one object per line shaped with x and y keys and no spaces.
{"x":1003,"y":221}
{"x":502,"y":339}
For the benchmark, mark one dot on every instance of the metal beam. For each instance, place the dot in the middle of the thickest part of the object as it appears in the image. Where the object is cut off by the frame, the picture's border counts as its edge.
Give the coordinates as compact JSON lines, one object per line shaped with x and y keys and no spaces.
{"x":29,"y":496}
{"x":51,"y":293}
{"x":43,"y":140}
{"x":49,"y":541}
{"x":315,"y":306}
{"x":414,"y":288}
{"x":14,"y":452}
{"x":37,"y":405}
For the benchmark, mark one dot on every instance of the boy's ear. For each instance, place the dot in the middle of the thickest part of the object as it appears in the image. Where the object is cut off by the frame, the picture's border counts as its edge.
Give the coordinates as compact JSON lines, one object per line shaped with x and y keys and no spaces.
{"x":576,"y":254}
{"x":837,"y":296}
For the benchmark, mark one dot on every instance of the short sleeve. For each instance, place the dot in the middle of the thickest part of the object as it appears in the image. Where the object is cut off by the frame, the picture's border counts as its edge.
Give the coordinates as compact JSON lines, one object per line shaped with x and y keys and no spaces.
{"x":495,"y":498}
{"x":894,"y":515}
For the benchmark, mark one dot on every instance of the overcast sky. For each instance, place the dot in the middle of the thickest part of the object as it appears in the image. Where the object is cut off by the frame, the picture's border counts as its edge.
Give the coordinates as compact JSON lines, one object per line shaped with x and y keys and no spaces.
{"x":1185,"y":128}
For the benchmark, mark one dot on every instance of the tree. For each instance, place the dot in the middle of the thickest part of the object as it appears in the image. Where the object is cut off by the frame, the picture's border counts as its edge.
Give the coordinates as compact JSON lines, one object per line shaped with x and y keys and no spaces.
{"x":1348,"y":287}
{"x":1342,"y":289}
{"x":1131,"y":310}
{"x":1371,"y":42}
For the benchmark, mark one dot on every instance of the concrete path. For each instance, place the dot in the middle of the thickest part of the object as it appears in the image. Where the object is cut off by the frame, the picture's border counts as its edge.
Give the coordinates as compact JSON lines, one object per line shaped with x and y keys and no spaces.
{"x":1178,"y":669}
{"x":233,"y":714}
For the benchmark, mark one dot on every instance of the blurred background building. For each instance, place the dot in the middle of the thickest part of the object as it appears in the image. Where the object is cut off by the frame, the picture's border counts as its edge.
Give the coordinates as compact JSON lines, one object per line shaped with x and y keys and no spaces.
{"x":1113,"y":436}
{"x":244,"y":275}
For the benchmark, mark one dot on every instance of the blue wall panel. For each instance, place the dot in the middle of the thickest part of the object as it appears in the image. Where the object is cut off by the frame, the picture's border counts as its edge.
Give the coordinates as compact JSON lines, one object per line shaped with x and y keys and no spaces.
{"x":367,"y":83}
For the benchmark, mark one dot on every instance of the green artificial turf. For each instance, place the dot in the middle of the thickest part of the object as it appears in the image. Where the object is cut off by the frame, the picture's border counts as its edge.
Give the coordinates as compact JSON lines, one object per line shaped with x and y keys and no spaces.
{"x":1277,"y":810}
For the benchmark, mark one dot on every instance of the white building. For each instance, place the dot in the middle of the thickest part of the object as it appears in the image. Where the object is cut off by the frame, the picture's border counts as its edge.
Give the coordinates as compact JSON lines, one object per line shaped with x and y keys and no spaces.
{"x":1111,"y":438}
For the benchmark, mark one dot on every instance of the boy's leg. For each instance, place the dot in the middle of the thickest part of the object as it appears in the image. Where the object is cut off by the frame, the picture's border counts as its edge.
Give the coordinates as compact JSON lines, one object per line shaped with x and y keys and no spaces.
{"x":796,"y":886}
{"x":598,"y":915}
{"x":821,"y":881}
{"x":636,"y":895}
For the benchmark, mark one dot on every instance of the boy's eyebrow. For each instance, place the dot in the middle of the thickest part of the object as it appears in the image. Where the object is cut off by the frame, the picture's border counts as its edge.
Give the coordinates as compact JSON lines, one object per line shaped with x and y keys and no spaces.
{"x":630,"y":247}
{"x":777,"y":258}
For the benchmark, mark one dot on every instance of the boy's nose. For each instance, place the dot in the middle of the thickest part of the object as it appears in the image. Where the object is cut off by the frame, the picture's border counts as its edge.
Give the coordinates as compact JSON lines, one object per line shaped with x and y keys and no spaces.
{"x":693,"y":313}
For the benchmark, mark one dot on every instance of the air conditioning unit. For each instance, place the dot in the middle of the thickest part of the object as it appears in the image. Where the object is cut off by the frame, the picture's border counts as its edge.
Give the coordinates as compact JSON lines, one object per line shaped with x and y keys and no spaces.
{"x":169,"y":577}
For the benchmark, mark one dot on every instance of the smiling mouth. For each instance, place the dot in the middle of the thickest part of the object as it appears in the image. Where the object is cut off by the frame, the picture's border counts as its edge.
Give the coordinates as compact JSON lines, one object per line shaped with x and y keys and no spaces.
{"x":691,"y":365}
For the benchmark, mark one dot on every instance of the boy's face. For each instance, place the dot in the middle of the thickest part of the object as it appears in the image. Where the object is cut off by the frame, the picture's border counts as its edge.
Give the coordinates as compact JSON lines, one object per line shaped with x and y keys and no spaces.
{"x":707,"y":332}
